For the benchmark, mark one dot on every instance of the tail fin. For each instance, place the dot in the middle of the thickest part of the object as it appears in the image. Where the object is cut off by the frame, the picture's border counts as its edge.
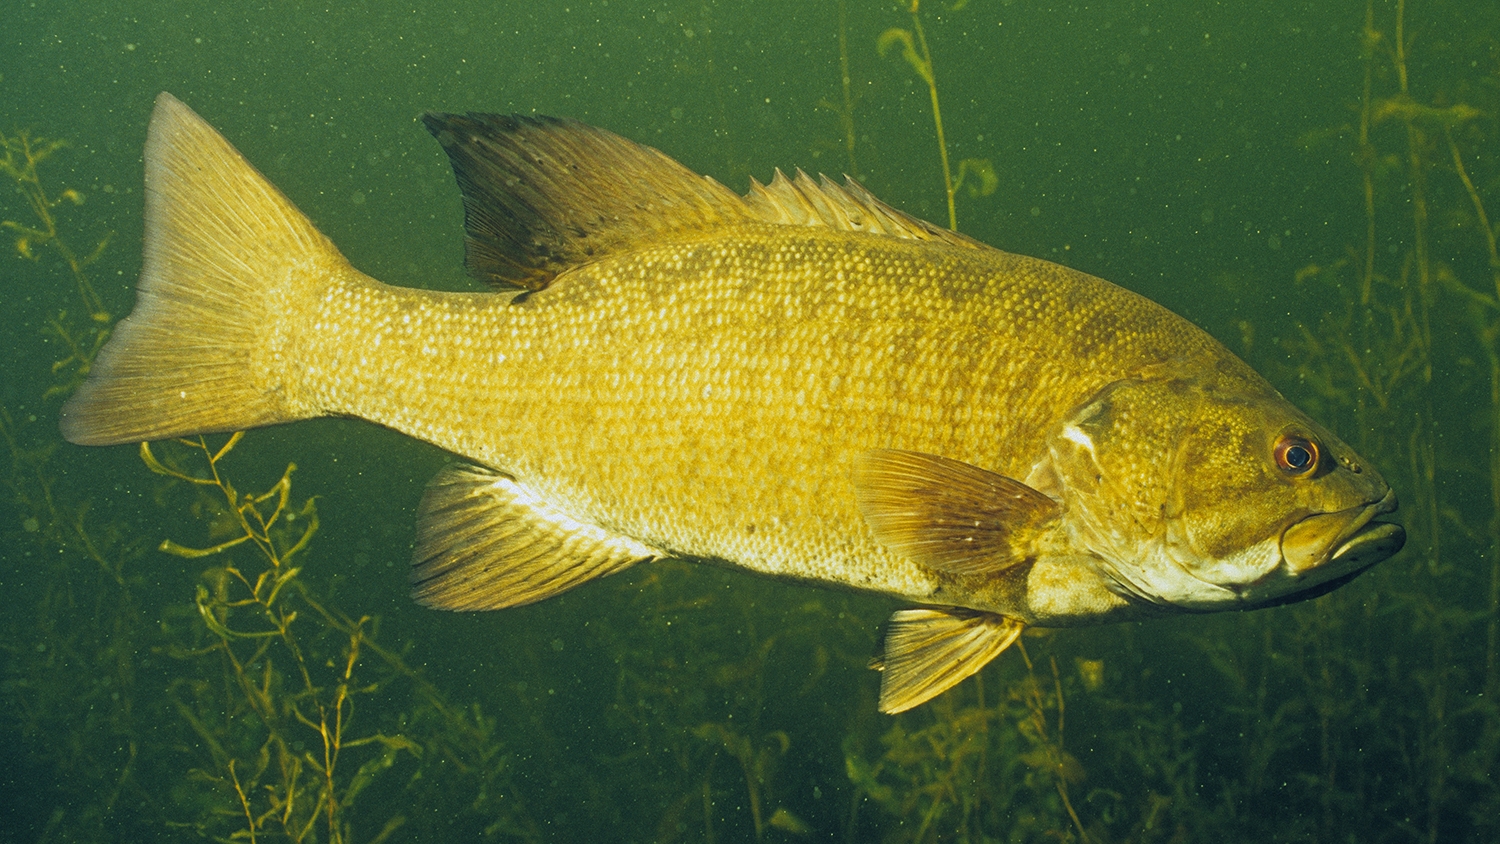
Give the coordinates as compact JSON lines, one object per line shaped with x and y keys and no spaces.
{"x":227,"y":259}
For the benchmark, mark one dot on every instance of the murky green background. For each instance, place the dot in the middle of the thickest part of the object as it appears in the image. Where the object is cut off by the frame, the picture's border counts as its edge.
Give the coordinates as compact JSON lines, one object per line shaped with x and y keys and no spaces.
{"x":1210,"y":156}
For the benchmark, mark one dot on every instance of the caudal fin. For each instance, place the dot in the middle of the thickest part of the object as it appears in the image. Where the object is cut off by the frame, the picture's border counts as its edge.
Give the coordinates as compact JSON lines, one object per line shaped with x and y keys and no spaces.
{"x":228,"y":261}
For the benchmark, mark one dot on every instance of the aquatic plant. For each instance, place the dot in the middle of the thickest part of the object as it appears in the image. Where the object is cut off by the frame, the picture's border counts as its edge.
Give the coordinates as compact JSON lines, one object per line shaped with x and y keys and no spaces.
{"x":69,"y":640}
{"x":963,"y":769}
{"x":75,"y":619}
{"x":269,"y":679}
{"x":845,"y":108}
{"x":276,"y":679}
{"x":918,"y":55}
{"x":701,"y":691}
{"x":22,"y":155}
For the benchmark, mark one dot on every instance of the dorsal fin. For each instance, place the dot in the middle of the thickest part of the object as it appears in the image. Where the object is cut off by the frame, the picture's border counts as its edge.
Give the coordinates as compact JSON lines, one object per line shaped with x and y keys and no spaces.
{"x":847,"y":207}
{"x":543,"y":195}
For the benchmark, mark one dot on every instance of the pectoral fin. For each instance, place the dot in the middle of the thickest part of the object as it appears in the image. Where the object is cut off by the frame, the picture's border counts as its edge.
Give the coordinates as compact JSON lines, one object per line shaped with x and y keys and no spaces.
{"x":949,"y":515}
{"x":485,"y":542}
{"x":928,"y":652}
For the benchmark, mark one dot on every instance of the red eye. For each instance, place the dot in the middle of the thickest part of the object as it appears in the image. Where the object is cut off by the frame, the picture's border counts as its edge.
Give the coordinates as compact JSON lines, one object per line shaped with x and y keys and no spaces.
{"x":1296,"y":455}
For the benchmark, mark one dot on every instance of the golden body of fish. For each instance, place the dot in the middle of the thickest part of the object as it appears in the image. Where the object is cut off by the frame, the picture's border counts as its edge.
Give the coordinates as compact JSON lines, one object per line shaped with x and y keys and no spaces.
{"x":802,"y":382}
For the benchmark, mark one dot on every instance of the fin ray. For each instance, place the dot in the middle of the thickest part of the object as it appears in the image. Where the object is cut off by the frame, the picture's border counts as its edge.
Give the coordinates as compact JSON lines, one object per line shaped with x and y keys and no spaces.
{"x":848,"y":207}
{"x":225,"y":254}
{"x":949,"y":515}
{"x":929,"y":651}
{"x":543,"y":195}
{"x":485,"y":542}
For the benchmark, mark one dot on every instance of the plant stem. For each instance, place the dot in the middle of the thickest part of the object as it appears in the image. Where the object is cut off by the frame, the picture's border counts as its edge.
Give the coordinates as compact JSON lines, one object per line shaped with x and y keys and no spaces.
{"x":1367,"y":160}
{"x":1488,"y":338}
{"x":937,"y":113}
{"x":1423,"y":455}
{"x":847,"y":115}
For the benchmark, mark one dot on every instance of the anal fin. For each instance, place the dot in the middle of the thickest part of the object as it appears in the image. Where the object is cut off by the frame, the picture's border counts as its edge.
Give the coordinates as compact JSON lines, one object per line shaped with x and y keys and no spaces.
{"x":929,"y":651}
{"x":485,"y":542}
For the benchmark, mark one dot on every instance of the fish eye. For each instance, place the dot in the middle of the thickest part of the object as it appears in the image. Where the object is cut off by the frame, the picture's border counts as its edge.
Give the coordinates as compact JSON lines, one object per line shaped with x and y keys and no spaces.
{"x":1296,"y":455}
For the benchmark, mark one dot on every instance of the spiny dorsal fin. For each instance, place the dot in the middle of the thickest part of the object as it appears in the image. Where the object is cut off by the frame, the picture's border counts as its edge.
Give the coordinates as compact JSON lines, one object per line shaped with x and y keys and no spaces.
{"x":949,"y":515}
{"x":543,"y":195}
{"x":800,"y":202}
{"x":929,"y":651}
{"x":484,"y":542}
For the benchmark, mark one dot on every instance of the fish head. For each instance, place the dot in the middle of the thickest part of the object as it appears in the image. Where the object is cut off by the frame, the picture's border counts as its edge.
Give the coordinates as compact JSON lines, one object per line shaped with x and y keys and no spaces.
{"x":1213,"y":492}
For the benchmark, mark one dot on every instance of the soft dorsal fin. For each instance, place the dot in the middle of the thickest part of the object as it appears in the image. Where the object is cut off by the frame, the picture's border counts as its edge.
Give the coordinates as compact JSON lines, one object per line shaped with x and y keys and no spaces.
{"x":929,"y":651}
{"x":543,"y":195}
{"x":484,"y":542}
{"x":949,"y":515}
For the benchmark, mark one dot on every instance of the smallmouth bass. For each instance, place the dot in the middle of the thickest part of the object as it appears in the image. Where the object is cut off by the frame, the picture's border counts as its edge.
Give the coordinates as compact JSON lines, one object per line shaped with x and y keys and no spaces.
{"x":803,"y":382}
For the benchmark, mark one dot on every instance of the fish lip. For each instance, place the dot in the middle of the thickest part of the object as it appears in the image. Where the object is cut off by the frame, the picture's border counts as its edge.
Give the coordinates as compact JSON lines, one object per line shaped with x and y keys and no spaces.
{"x":1380,"y":540}
{"x":1364,"y":542}
{"x":1307,"y":545}
{"x":1375,"y":541}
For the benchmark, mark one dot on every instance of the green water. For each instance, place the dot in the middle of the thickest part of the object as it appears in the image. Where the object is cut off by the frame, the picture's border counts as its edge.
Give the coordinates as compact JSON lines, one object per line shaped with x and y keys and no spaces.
{"x":1208,"y":156}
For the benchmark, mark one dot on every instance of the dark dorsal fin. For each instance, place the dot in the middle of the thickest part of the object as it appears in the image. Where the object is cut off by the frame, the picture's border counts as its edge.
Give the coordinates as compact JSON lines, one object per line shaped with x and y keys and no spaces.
{"x":543,"y":195}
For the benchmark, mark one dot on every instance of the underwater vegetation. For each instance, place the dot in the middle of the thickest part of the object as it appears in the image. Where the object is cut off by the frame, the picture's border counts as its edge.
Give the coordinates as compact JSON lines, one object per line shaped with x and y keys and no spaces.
{"x":1366,"y":715}
{"x":237,"y":715}
{"x":22,"y":155}
{"x":918,"y":54}
{"x":190,"y":667}
{"x":281,"y":691}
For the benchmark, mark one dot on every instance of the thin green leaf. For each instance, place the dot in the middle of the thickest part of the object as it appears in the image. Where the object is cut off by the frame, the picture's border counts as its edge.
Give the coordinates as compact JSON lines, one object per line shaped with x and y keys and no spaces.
{"x":218,"y":627}
{"x":176,"y":550}
{"x":156,"y":466}
{"x":234,"y":440}
{"x":896,"y":35}
{"x":281,"y":580}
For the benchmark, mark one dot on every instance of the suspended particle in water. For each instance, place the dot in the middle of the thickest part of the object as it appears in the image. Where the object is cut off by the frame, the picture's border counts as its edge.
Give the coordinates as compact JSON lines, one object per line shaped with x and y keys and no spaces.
{"x":1091,"y":672}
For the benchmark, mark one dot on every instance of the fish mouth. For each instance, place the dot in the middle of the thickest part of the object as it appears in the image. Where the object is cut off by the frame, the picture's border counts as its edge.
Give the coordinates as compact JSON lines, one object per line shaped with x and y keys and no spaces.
{"x":1328,"y":550}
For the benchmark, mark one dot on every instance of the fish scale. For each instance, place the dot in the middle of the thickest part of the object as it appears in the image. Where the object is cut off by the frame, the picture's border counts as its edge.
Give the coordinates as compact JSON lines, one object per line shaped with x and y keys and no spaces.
{"x":775,"y":446}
